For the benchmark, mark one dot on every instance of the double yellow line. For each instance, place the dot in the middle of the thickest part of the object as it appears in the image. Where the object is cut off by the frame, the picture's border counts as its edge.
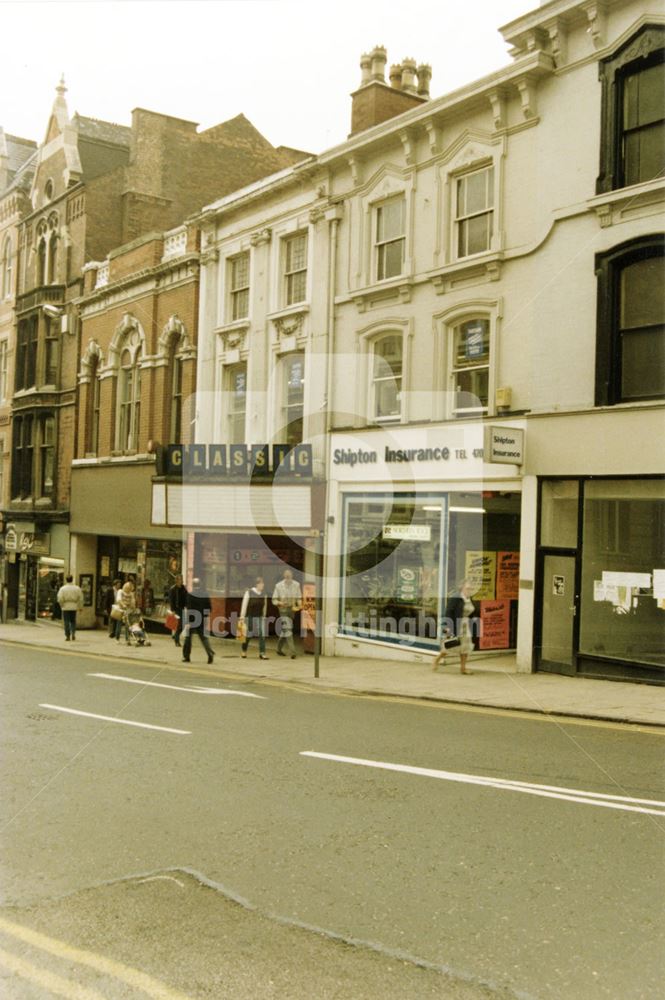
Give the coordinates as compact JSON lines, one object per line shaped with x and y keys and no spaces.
{"x":59,"y":986}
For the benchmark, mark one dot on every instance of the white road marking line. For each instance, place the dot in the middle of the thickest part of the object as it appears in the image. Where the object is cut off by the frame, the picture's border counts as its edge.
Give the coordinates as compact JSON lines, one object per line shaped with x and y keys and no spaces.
{"x":111,"y":718}
{"x":174,"y":687}
{"x":545,"y":791}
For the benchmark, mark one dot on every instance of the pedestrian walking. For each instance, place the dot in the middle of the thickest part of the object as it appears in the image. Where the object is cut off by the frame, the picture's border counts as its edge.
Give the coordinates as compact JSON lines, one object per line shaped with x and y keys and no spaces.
{"x":461,"y":621}
{"x":177,"y":599}
{"x":70,"y":599}
{"x":197,"y":620}
{"x":253,"y":617}
{"x":287,"y":597}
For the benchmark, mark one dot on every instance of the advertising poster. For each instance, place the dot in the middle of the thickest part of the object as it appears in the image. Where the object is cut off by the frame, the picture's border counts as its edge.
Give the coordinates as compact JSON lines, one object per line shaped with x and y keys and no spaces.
{"x":308,"y":613}
{"x":480,"y":569}
{"x":507,"y":576}
{"x":495,"y":621}
{"x":407,"y":585}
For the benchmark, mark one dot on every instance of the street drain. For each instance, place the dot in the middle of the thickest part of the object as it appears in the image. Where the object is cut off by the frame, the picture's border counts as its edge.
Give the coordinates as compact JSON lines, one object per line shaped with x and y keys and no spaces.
{"x":40,"y":717}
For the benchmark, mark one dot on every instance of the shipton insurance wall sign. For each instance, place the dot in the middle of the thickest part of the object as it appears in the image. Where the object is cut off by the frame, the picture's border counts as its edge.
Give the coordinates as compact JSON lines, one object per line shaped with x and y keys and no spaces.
{"x":504,"y":445}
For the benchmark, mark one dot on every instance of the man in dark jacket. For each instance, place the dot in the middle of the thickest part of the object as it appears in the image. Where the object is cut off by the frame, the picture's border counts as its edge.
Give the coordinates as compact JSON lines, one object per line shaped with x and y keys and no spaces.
{"x":197,"y":620}
{"x":177,"y":604}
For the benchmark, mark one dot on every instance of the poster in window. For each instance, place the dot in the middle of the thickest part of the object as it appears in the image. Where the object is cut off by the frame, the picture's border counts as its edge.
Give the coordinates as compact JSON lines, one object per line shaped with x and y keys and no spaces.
{"x":495,"y":625}
{"x":85,"y":583}
{"x":308,"y":612}
{"x":480,"y":570}
{"x":474,"y":345}
{"x":507,"y":576}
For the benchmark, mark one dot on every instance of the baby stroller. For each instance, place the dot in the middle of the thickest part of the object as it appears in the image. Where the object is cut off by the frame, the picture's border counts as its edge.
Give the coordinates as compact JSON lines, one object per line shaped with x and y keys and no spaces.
{"x":136,"y":629}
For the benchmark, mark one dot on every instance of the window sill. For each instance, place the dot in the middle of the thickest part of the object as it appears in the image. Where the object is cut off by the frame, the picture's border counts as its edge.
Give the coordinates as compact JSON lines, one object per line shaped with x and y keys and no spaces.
{"x":388,"y":289}
{"x":484,"y":267}
{"x":613,"y":206}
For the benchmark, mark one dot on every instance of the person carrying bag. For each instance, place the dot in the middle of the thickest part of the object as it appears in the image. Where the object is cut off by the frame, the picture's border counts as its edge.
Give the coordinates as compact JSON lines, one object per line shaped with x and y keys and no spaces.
{"x":253,"y":618}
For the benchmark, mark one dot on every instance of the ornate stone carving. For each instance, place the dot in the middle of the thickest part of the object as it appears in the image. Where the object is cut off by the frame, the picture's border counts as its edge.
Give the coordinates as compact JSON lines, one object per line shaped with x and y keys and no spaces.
{"x":497,"y":99}
{"x":289,"y":326}
{"x":527,"y":92}
{"x":261,"y":236}
{"x":595,"y":13}
{"x":433,"y":137}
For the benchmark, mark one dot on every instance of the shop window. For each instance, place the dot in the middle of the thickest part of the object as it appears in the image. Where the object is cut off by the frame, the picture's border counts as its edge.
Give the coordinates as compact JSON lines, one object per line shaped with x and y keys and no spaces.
{"x":390,"y":238}
{"x":623,"y":571}
{"x":293,"y":394}
{"x":129,"y":401}
{"x":47,"y":456}
{"x":7,"y":264}
{"x":470,"y":367}
{"x":630,"y":344}
{"x":392,"y":567}
{"x":237,"y":403}
{"x":4,"y":357}
{"x":633,"y":111}
{"x":295,"y":269}
{"x":474,"y":211}
{"x":387,"y":353}
{"x":239,"y":286}
{"x":23,"y":456}
{"x":2,"y":472}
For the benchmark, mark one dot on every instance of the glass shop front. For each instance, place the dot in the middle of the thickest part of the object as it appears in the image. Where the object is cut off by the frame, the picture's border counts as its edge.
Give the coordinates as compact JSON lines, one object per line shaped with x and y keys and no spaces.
{"x":405,"y":554}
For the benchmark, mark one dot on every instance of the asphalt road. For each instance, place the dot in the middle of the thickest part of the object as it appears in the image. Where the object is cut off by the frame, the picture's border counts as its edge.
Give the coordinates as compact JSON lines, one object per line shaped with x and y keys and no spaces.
{"x":210,"y":854}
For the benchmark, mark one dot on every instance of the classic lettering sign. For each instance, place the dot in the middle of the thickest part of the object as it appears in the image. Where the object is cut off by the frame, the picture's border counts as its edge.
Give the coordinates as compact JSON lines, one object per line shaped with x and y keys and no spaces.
{"x":273,"y":463}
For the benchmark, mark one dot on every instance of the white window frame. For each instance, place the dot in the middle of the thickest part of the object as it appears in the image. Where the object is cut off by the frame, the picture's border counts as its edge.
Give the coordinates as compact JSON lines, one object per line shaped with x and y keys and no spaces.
{"x":289,"y":272}
{"x":382,"y":241}
{"x":464,"y":217}
{"x":237,"y":291}
{"x":447,"y":322}
{"x":373,"y":416}
{"x":284,"y":408}
{"x":455,"y":369}
{"x":128,"y":420}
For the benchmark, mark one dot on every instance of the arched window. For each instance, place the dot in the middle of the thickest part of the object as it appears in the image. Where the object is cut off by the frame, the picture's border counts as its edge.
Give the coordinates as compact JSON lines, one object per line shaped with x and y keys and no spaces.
{"x":470,"y":367}
{"x":41,"y":261}
{"x":129,"y":400}
{"x":387,"y":378}
{"x":7,"y":284}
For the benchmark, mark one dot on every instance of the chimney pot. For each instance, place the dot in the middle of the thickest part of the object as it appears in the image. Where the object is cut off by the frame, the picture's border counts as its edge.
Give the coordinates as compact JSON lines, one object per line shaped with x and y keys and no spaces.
{"x":396,"y":76}
{"x":424,"y":72}
{"x":409,"y":76}
{"x":379,"y":59}
{"x":365,"y":68}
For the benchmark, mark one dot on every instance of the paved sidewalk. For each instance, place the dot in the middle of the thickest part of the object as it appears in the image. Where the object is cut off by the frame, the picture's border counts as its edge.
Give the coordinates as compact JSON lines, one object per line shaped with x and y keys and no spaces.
{"x":494,"y":682}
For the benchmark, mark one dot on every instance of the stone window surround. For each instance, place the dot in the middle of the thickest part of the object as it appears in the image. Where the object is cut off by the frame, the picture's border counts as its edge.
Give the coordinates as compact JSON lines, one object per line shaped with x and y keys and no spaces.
{"x":445,"y":323}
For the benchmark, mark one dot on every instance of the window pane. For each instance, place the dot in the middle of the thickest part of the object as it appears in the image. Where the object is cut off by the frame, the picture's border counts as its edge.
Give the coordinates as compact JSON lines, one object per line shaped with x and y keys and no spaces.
{"x":642,"y":292}
{"x":240,"y":304}
{"x":643,"y":154}
{"x":391,"y":256}
{"x":472,"y":342}
{"x":476,"y":192}
{"x":643,"y":364}
{"x":558,"y":517}
{"x":390,"y":220}
{"x":388,"y":356}
{"x":388,"y":397}
{"x":478,"y":232}
{"x":622,"y":535}
{"x":472,"y":389}
{"x":644,"y":97}
{"x":296,"y":253}
{"x":296,"y":287}
{"x":391,"y":586}
{"x":240,"y":272}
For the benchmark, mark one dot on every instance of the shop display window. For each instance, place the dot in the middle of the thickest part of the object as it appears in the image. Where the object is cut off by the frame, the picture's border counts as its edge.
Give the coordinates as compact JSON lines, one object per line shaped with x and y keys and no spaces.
{"x":623,"y":571}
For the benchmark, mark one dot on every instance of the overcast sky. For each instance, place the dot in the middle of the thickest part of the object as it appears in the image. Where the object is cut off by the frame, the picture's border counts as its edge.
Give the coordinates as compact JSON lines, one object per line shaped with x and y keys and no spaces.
{"x":288,"y":65}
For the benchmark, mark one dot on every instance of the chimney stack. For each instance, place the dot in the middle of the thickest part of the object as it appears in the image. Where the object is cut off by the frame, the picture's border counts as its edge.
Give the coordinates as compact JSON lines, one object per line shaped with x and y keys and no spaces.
{"x":376,"y":100}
